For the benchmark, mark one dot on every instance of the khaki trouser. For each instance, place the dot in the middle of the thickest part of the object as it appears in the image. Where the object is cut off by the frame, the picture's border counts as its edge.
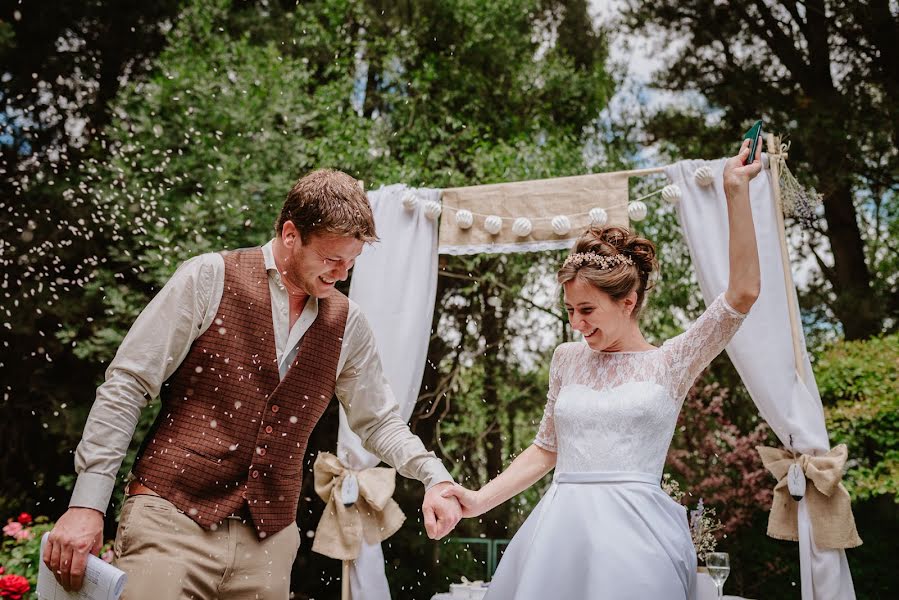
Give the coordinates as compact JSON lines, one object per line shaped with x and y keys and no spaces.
{"x":167,"y":555}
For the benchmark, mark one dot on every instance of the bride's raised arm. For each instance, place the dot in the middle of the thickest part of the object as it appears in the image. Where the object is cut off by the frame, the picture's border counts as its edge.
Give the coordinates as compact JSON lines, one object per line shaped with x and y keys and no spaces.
{"x":744,"y":282}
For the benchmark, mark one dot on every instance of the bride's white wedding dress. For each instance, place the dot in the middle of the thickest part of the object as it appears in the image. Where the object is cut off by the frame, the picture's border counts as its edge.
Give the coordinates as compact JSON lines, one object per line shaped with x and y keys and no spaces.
{"x":605,"y":529}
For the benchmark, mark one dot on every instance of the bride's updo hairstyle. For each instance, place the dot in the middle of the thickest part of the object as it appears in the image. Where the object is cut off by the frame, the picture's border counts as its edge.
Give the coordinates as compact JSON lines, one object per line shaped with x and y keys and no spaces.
{"x":614,"y":260}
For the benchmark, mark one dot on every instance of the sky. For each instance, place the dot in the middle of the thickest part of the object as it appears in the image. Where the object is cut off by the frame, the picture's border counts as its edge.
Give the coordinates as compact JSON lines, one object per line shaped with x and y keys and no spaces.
{"x":639,"y":57}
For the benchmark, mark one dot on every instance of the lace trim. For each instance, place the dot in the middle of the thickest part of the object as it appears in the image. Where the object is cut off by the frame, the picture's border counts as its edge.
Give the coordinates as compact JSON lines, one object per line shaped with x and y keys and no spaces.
{"x":683,"y":358}
{"x":507,"y":248}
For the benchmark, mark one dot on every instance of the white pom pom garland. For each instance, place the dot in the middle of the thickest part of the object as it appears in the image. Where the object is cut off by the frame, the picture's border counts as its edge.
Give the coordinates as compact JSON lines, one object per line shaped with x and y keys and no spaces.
{"x":522,"y":227}
{"x":493,"y":224}
{"x":432,"y":209}
{"x":410,"y":201}
{"x":636,"y":211}
{"x":598,"y":217}
{"x":464,"y":219}
{"x":561,"y":225}
{"x":671,"y":194}
{"x":703,"y":176}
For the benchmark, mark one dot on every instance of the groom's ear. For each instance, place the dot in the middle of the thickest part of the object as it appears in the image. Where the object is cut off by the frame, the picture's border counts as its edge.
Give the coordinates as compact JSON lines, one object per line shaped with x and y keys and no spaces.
{"x":290,"y":235}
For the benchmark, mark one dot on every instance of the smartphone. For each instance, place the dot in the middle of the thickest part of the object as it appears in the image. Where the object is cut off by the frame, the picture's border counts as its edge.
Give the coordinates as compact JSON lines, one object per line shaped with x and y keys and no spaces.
{"x":754,"y":134}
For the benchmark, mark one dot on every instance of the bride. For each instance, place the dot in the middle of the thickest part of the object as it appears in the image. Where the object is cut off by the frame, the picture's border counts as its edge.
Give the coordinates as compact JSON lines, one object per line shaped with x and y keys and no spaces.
{"x":605,"y":528}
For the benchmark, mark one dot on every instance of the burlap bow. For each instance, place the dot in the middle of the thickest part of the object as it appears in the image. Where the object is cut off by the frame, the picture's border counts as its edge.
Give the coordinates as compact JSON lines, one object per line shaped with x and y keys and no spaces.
{"x":829,"y":505}
{"x":374,"y":516}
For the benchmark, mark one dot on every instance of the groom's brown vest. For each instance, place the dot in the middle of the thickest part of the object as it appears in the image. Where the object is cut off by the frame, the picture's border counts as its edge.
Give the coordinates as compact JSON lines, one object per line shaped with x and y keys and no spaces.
{"x":229,"y":431}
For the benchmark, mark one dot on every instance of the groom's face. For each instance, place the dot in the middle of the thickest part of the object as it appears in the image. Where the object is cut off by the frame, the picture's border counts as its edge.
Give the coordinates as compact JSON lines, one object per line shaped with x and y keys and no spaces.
{"x":318,"y":262}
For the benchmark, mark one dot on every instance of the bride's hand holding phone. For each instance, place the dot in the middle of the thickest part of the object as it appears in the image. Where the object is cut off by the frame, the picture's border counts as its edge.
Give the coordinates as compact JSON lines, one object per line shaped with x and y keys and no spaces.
{"x":738,"y":175}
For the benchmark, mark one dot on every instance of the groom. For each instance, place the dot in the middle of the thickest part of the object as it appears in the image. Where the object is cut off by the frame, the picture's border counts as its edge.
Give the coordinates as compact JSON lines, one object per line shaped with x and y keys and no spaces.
{"x":245,"y":349}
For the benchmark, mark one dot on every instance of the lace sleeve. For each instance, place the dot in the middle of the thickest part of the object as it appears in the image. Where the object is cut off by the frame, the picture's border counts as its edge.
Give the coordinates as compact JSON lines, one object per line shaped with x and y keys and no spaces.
{"x":692,"y":351}
{"x":546,"y":435}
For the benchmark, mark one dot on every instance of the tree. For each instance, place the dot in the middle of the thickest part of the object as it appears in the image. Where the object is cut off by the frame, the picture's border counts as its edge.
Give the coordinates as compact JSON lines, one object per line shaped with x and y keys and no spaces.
{"x":859,"y":386}
{"x":62,"y":63}
{"x":244,"y":98}
{"x":823,"y":73}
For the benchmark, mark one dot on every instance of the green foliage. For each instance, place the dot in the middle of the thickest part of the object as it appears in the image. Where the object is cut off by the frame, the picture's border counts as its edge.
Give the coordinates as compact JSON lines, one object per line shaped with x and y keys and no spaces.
{"x":7,"y":39}
{"x":859,"y":385}
{"x":867,"y":371}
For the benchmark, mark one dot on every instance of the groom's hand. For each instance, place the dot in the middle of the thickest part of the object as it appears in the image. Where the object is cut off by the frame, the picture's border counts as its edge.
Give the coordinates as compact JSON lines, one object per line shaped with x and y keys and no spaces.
{"x":441,"y":514}
{"x":77,"y":533}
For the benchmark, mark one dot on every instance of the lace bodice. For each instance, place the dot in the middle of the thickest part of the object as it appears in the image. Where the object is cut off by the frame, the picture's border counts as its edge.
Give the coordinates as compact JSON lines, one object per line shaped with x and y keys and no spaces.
{"x":616,"y":411}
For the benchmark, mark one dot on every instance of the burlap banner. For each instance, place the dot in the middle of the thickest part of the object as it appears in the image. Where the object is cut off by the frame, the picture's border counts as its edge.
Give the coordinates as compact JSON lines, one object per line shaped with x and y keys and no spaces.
{"x":539,"y":201}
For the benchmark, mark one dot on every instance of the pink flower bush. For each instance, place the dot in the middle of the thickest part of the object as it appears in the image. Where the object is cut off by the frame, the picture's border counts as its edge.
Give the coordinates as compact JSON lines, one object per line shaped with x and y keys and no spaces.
{"x":20,"y":554}
{"x":717,"y":461}
{"x":16,"y":530}
{"x":12,"y":528}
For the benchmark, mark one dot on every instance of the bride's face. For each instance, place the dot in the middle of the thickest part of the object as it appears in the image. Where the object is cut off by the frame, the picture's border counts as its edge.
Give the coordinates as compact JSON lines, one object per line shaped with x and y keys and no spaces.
{"x":602,"y":320}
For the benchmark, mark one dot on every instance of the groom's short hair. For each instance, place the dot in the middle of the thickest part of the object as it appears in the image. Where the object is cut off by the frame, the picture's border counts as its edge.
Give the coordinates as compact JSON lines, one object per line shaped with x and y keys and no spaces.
{"x":328,"y":201}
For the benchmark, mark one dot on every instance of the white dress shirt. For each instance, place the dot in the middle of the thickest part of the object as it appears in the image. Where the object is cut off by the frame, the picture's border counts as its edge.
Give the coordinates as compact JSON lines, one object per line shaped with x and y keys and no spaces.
{"x":160,"y":339}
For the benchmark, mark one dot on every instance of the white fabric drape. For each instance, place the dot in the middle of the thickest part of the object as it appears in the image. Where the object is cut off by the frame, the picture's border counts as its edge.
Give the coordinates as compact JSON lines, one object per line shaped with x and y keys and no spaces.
{"x":762,"y":351}
{"x":395,"y":284}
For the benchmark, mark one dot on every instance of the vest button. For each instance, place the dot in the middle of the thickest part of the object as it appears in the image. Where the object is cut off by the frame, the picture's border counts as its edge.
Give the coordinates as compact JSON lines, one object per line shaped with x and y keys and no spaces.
{"x":254,"y":474}
{"x":261,"y":451}
{"x":268,"y":429}
{"x":274,"y":408}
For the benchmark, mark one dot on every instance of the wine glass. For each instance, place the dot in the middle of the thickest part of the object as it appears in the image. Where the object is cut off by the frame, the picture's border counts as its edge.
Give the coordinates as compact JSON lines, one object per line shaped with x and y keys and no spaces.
{"x":718,"y":564}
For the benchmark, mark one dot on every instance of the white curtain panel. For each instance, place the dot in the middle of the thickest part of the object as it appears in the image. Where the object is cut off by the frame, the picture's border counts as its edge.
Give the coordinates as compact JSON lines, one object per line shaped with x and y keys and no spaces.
{"x":762,"y":350}
{"x":395,"y":284}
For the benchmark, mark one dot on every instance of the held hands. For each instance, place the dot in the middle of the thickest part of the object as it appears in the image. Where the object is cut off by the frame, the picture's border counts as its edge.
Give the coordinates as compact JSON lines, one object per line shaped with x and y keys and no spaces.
{"x":472,"y":504}
{"x":77,"y":532}
{"x":736,"y":174}
{"x":441,"y":513}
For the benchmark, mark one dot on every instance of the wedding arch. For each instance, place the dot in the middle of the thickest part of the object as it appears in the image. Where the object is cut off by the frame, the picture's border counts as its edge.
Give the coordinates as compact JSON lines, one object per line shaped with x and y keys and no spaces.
{"x":769,"y":353}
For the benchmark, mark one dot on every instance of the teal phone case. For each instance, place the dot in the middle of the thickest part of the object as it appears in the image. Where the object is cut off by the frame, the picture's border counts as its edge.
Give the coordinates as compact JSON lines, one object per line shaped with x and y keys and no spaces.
{"x":754,"y":134}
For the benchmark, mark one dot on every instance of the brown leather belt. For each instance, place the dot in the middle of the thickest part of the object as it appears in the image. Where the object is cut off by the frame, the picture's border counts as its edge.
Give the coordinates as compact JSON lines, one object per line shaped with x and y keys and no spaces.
{"x":136,"y":488}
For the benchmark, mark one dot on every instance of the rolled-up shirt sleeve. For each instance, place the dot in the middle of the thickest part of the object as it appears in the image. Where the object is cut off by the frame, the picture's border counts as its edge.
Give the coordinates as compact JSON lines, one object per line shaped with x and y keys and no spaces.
{"x":151,"y":351}
{"x":373,"y":413}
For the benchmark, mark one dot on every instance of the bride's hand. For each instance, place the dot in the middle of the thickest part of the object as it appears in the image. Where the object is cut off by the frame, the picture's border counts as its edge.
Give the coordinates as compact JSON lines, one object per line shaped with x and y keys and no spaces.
{"x":472,"y":504}
{"x":736,"y":174}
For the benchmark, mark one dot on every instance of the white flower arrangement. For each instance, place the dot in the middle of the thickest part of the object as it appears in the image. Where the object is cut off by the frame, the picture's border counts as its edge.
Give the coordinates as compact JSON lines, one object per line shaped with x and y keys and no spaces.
{"x":703,"y":522}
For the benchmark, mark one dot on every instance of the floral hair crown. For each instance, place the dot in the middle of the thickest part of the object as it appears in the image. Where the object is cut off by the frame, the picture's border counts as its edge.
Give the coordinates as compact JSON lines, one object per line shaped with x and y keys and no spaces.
{"x":580,"y":259}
